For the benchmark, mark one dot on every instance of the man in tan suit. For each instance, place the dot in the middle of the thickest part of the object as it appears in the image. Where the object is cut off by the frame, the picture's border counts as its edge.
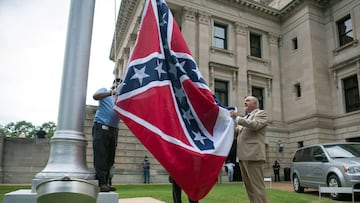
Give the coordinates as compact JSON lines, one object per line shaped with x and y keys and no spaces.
{"x":251,"y":148}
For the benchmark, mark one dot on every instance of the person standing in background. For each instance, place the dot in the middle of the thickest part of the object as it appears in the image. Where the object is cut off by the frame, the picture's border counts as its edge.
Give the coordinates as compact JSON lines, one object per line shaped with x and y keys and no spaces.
{"x":41,"y":133}
{"x":251,"y":148}
{"x":146,"y":168}
{"x":230,"y":170}
{"x":276,"y":168}
{"x":105,"y":133}
{"x":21,"y":134}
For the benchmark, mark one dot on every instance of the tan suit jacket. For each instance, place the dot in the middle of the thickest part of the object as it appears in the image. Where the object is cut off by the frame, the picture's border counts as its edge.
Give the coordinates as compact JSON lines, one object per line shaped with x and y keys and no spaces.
{"x":251,"y":136}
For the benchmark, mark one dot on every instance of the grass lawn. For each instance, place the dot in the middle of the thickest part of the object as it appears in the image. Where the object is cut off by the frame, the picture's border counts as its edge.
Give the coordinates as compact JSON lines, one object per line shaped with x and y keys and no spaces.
{"x":221,"y":193}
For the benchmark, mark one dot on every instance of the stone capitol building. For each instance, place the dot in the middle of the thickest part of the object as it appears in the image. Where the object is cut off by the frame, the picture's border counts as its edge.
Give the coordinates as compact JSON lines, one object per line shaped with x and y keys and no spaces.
{"x":300,"y":58}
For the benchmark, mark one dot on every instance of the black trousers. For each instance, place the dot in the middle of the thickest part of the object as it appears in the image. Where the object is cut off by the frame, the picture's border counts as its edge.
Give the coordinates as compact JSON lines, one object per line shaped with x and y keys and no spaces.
{"x":176,"y":191}
{"x":104,"y":146}
{"x":277,"y":176}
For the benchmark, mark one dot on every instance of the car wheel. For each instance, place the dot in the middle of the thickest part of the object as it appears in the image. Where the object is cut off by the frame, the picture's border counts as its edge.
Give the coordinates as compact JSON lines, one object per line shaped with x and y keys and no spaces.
{"x":296,"y":185}
{"x":333,"y":181}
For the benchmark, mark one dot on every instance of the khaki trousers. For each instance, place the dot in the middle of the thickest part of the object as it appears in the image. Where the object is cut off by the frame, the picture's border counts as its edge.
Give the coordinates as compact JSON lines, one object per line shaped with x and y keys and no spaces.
{"x":252,"y":173}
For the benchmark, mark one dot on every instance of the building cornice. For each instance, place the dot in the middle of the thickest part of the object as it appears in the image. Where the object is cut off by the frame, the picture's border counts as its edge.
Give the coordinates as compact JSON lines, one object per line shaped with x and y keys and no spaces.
{"x":292,"y":5}
{"x":126,"y":12}
{"x":129,"y":7}
{"x":253,"y":5}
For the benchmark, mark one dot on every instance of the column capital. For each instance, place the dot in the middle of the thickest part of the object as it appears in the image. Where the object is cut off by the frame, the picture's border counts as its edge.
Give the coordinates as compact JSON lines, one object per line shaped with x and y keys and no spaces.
{"x":189,"y":13}
{"x":204,"y":17}
{"x":241,"y":28}
{"x":274,"y":38}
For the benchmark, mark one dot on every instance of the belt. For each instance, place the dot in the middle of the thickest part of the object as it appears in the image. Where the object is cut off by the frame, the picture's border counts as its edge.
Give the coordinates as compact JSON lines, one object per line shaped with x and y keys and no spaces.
{"x":103,"y":126}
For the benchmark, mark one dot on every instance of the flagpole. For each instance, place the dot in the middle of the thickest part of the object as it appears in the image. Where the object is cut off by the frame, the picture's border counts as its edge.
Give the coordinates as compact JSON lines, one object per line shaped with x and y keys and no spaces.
{"x":68,"y":146}
{"x":66,"y":177}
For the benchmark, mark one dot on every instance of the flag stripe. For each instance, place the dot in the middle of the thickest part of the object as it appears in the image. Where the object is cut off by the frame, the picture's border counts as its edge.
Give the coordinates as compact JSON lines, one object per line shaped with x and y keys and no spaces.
{"x":167,"y":105}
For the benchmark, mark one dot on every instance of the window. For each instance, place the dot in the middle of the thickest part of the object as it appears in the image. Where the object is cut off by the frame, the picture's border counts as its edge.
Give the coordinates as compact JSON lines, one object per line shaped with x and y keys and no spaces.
{"x":297,"y":89}
{"x":220,"y":36}
{"x":295,"y":43}
{"x":298,"y":156}
{"x":300,"y":144}
{"x":351,"y":93}
{"x":345,"y":31}
{"x":307,"y":154}
{"x":255,"y":45}
{"x":258,"y":92}
{"x":318,"y":154}
{"x":221,"y":91}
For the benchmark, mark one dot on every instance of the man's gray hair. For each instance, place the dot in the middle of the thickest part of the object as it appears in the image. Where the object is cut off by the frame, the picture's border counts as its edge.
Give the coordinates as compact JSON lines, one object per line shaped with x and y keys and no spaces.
{"x":255,"y":100}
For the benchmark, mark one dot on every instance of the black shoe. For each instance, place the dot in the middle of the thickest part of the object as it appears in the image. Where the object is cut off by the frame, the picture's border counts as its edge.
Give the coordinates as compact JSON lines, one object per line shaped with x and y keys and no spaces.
{"x":104,"y":188}
{"x":111,"y":188}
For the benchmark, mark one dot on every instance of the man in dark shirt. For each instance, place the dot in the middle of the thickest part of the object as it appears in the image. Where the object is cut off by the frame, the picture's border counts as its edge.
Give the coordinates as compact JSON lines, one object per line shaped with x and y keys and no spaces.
{"x":41,"y":133}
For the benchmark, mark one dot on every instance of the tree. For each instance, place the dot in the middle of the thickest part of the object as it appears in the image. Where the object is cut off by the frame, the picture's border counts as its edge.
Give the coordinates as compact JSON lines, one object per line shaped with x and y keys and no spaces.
{"x":49,"y":128}
{"x":12,"y":129}
{"x":24,"y":126}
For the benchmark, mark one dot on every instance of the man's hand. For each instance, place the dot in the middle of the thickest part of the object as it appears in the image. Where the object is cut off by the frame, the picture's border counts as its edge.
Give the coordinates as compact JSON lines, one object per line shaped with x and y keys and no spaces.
{"x":233,"y":114}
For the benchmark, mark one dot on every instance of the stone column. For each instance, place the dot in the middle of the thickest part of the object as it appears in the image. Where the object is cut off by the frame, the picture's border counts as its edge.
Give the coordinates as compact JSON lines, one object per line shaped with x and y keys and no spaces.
{"x":203,"y":44}
{"x":126,"y":58}
{"x":241,"y":47}
{"x":274,"y":86}
{"x":189,"y":29}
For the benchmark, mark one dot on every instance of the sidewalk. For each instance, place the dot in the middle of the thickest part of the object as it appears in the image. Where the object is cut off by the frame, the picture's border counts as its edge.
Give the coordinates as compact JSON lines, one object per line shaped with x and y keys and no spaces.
{"x":140,"y":200}
{"x":284,"y":185}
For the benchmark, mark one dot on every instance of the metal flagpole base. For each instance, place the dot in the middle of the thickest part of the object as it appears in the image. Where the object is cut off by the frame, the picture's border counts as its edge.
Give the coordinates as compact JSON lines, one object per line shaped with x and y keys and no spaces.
{"x":67,"y":158}
{"x":68,"y":190}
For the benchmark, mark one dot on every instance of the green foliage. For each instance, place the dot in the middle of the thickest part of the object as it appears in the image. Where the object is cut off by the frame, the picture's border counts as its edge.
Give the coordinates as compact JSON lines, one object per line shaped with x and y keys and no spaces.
{"x":49,"y":128}
{"x":13,"y":129}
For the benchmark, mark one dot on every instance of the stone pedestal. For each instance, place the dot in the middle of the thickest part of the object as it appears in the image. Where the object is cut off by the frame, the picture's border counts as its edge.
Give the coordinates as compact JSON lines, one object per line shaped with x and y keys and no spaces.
{"x":21,"y":196}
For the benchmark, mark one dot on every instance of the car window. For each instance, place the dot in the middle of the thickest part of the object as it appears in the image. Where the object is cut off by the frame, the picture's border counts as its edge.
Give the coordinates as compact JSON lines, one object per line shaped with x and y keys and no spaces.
{"x":343,"y":150}
{"x":307,"y":154}
{"x":318,"y":154}
{"x":298,"y":156}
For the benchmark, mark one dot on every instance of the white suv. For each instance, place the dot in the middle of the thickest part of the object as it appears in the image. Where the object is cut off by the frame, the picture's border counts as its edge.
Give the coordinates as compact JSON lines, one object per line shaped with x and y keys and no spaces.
{"x":331,"y":164}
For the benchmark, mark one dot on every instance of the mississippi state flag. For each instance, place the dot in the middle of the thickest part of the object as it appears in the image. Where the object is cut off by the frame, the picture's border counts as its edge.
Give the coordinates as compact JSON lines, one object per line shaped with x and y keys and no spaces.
{"x":165,"y":102}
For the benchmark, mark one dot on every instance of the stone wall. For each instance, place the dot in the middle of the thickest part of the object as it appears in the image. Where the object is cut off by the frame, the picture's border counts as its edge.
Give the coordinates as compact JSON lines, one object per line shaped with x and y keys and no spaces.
{"x":129,"y":155}
{"x":22,"y":158}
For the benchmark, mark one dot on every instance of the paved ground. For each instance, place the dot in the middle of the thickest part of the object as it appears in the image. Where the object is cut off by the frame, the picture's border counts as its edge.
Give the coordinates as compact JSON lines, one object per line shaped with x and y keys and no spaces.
{"x":140,"y":200}
{"x":285,"y":185}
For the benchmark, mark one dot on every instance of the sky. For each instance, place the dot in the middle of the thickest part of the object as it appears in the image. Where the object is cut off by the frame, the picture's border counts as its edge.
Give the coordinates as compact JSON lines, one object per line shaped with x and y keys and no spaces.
{"x":32,"y":49}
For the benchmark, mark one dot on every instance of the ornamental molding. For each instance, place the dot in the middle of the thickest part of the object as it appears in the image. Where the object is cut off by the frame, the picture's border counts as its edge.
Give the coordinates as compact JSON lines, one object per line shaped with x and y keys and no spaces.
{"x":274,"y":38}
{"x":126,"y":12}
{"x":189,"y":13}
{"x":346,"y":63}
{"x":204,"y":17}
{"x":241,"y":29}
{"x":129,"y":8}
